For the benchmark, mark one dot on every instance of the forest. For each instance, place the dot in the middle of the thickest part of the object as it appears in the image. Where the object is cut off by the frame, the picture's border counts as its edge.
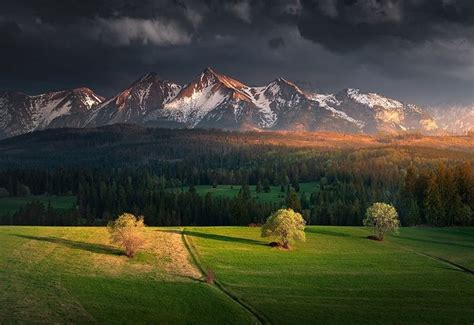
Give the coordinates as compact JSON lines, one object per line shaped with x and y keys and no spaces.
{"x":153,"y":172}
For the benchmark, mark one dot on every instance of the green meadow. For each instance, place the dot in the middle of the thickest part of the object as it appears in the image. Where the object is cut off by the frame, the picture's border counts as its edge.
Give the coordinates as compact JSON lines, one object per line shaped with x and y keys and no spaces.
{"x":74,"y":274}
{"x":10,"y":205}
{"x":339,"y":276}
{"x":67,"y":274}
{"x":275,"y":195}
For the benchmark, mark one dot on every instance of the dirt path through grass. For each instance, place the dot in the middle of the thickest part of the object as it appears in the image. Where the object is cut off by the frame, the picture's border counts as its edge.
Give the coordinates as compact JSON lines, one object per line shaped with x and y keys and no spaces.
{"x":257,"y":317}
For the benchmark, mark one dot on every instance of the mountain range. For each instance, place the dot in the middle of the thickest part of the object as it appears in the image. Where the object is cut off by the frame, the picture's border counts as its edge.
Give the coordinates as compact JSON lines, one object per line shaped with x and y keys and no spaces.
{"x":213,"y":100}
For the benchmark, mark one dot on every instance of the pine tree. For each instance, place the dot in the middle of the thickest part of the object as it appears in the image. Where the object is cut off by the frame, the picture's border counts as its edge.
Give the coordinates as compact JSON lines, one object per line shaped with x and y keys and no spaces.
{"x":292,"y":201}
{"x":433,"y":205}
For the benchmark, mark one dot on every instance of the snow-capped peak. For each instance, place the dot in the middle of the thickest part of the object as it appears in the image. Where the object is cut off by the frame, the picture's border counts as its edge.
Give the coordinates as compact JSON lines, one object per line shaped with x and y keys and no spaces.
{"x":212,"y":99}
{"x":200,"y":96}
{"x":285,"y":83}
{"x":210,"y":77}
{"x":150,"y":76}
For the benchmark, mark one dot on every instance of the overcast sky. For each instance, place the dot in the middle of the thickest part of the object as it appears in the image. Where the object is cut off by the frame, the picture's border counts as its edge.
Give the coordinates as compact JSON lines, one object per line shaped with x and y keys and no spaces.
{"x":419,"y":51}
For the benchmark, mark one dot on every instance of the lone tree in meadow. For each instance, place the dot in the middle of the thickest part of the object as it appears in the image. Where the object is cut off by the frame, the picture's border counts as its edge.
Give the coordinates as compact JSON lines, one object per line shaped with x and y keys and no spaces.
{"x":383,"y":218}
{"x":286,"y":225}
{"x":128,"y":232}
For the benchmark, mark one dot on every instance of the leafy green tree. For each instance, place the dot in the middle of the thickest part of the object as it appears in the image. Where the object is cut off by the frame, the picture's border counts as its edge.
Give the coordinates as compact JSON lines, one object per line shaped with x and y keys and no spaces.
{"x":383,"y":218}
{"x":128,"y":232}
{"x":286,"y":225}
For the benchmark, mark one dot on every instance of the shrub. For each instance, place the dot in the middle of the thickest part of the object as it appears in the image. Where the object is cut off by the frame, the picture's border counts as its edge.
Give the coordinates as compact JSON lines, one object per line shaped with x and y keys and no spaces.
{"x":127,"y":231}
{"x":210,"y":278}
{"x":23,"y":190}
{"x":254,"y":225}
{"x":286,"y":226}
{"x":383,"y":218}
{"x":4,"y":192}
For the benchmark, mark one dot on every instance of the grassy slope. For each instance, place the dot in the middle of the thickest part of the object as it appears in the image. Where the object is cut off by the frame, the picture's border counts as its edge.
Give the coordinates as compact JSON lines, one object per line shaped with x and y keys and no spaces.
{"x":273,"y":196}
{"x":72,"y":275}
{"x":10,"y":205}
{"x":338,"y":275}
{"x":453,"y":244}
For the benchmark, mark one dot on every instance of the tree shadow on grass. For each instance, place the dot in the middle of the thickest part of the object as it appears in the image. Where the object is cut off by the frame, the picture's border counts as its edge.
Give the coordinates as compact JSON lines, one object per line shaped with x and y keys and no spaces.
{"x":434,"y":241}
{"x":89,"y":247}
{"x":218,"y":237}
{"x":327,"y":232}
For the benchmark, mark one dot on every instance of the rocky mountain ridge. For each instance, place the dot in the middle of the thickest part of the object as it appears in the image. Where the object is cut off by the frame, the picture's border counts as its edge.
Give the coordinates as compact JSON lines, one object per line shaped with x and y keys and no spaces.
{"x":213,"y":100}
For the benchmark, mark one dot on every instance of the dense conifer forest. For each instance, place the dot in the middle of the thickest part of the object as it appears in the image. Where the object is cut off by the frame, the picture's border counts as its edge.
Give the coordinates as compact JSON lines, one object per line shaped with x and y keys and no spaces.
{"x":153,"y":172}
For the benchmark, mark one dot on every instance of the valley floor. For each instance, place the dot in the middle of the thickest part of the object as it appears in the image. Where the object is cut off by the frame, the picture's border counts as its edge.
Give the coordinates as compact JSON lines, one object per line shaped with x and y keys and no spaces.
{"x":73,"y":274}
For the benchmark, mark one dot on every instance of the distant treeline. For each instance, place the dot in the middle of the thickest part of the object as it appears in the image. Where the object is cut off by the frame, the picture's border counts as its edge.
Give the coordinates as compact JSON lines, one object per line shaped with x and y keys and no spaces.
{"x":441,"y":196}
{"x":154,"y":176}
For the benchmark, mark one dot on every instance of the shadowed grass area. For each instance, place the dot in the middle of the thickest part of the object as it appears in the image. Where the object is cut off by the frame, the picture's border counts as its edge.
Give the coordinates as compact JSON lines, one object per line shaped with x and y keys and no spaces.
{"x":90,"y":247}
{"x":230,"y":239}
{"x":192,"y":233}
{"x":10,"y":205}
{"x":327,"y":231}
{"x":452,"y":244}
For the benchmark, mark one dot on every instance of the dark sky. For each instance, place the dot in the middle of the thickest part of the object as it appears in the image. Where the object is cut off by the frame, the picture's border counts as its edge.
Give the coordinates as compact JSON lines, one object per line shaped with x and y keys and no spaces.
{"x":420,"y":51}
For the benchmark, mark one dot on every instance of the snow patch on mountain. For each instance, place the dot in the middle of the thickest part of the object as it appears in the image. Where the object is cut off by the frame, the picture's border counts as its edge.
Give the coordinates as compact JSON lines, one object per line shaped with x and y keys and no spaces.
{"x":328,"y":101}
{"x":91,"y":100}
{"x":192,"y":109}
{"x":46,"y":110}
{"x":372,"y":99}
{"x":174,"y":91}
{"x":269,"y":117}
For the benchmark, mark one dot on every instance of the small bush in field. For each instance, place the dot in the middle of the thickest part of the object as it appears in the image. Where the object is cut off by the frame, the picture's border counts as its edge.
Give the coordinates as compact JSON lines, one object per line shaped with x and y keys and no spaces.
{"x":210,"y":277}
{"x":128,"y":232}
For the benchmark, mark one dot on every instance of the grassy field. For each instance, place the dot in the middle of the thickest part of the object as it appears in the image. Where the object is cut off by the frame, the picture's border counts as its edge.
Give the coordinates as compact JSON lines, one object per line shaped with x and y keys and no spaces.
{"x":73,"y":274}
{"x":275,"y":195}
{"x":63,"y":275}
{"x":10,"y":205}
{"x":339,"y":276}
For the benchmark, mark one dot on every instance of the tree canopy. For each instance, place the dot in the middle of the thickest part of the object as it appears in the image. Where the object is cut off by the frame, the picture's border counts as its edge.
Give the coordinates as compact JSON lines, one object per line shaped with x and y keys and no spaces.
{"x":127,"y":231}
{"x":286,"y":226}
{"x":383,"y":218}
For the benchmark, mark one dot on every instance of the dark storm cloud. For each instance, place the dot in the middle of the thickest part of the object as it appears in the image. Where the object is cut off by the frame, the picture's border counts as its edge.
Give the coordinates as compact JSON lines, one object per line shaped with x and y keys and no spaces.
{"x":344,"y":25}
{"x":276,"y":42}
{"x":381,"y":45}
